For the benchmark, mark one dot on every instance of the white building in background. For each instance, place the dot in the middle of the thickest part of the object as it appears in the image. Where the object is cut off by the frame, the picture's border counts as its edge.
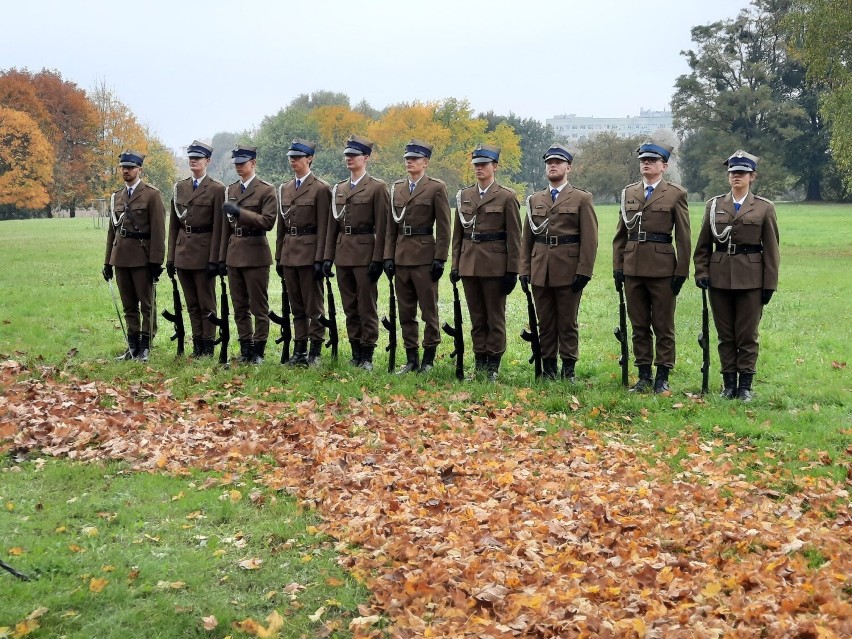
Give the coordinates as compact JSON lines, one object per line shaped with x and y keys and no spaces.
{"x":575,"y":129}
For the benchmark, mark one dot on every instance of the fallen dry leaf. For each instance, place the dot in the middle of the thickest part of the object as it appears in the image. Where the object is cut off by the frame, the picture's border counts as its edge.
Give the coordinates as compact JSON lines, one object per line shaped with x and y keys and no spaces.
{"x":210,"y":623}
{"x":250,"y":564}
{"x":96,"y":584}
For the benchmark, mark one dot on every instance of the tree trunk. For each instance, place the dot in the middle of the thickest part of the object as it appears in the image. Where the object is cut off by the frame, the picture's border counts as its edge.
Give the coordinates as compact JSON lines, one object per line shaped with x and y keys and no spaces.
{"x":814,"y":188}
{"x":72,"y":207}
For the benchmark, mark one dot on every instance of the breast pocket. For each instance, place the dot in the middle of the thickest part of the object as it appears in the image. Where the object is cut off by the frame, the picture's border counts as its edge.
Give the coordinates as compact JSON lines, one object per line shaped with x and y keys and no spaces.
{"x":569,"y":210}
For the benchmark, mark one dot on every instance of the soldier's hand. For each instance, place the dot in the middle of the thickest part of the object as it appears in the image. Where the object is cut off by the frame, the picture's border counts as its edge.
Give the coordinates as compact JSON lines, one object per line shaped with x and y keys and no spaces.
{"x":326,"y":269}
{"x":107,"y":272}
{"x":766,"y":295}
{"x":212,"y":269}
{"x":510,"y":280}
{"x":390,"y":268}
{"x":374,"y":271}
{"x":677,"y":283}
{"x":279,"y":268}
{"x":317,"y":271}
{"x":618,"y":276}
{"x":229,"y":208}
{"x":579,"y":282}
{"x":223,"y":269}
{"x":525,"y":283}
{"x":170,"y":269}
{"x":703,"y":282}
{"x":155,"y":270}
{"x":437,"y":270}
{"x":454,"y":276}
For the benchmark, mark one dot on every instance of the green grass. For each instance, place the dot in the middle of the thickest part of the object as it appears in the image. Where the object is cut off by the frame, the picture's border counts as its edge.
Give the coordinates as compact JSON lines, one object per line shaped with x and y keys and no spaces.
{"x":169,"y":550}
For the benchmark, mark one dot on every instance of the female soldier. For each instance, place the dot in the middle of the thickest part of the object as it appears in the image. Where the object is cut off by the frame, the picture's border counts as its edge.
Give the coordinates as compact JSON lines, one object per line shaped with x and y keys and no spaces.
{"x":737,"y":259}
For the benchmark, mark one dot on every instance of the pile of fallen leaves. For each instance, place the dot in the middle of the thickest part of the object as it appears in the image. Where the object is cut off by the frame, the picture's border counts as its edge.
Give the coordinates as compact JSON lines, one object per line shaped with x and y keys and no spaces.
{"x":477,"y":524}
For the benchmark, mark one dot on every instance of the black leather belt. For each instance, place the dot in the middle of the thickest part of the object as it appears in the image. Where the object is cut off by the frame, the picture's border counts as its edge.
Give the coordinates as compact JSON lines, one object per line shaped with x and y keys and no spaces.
{"x":485,"y":237}
{"x":416,"y":230}
{"x":244,"y":232}
{"x":739,"y":249}
{"x":302,"y":230}
{"x":198,"y":229}
{"x":123,"y":232}
{"x":642,"y":236}
{"x":556,"y":240}
{"x":359,"y":230}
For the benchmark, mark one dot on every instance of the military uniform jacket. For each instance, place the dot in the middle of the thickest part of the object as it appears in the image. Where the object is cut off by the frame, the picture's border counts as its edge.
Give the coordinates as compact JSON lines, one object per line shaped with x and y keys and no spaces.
{"x":572,"y":214}
{"x":497,"y":212}
{"x":427,"y":207}
{"x":195,"y":224}
{"x":300,"y":210}
{"x":365,"y":206}
{"x":754,"y":224}
{"x":244,"y":242}
{"x":143,"y":213}
{"x":665,"y":213}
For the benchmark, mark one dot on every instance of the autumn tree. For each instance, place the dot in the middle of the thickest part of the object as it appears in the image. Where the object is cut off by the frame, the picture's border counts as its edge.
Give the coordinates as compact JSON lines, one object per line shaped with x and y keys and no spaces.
{"x":535,"y":139}
{"x":25,"y":176}
{"x":221,"y":167}
{"x":605,"y":164}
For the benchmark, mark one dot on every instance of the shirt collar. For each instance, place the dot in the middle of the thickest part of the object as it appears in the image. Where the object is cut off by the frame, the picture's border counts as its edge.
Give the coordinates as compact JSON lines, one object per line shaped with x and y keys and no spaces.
{"x":247,"y":182}
{"x":740,"y":201}
{"x":355,"y":182}
{"x":653,"y":186}
{"x":134,"y":185}
{"x":303,"y":178}
{"x":485,"y":190}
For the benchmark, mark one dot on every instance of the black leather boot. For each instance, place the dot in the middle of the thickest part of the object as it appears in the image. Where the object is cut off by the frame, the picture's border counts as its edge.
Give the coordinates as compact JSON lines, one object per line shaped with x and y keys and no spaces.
{"x":661,"y":381}
{"x":480,"y":362}
{"x":196,"y":347}
{"x":246,"y":351}
{"x":428,"y":362}
{"x":729,"y":385}
{"x":300,"y":353}
{"x":644,"y":382}
{"x":367,"y":357}
{"x":412,"y":361}
{"x":493,"y":366}
{"x":144,"y":347}
{"x":315,"y":354}
{"x":548,"y":368}
{"x":568,"y":368}
{"x":744,"y":389}
{"x":257,"y":351}
{"x":132,"y":348}
{"x":206,"y":347}
{"x":356,"y":353}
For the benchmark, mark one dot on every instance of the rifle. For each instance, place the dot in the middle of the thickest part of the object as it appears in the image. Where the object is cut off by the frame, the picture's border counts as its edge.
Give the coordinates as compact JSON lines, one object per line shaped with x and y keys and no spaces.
{"x":621,"y":336}
{"x":176,"y":318}
{"x":283,"y":321}
{"x":12,"y":571}
{"x":330,"y":322}
{"x":531,"y":335}
{"x":223,"y":323}
{"x":390,"y":325}
{"x":456,"y":333}
{"x":704,"y":343}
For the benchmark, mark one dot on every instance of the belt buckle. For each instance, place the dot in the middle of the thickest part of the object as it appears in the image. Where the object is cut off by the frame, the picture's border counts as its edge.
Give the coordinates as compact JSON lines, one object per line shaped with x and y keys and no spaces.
{"x":732,"y":249}
{"x":347,"y":230}
{"x":552,"y":240}
{"x":238,"y":231}
{"x":474,"y":236}
{"x":294,"y":230}
{"x":406,"y":230}
{"x":122,"y":232}
{"x":642,"y":236}
{"x":188,"y":229}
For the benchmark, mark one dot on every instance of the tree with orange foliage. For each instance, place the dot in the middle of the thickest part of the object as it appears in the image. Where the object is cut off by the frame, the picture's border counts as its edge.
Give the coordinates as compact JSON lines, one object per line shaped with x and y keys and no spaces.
{"x":25,"y":176}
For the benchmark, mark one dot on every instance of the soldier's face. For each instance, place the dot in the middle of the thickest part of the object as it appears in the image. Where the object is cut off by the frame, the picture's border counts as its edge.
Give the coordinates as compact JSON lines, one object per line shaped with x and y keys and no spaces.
{"x":740,"y":179}
{"x":355,"y":163}
{"x":300,"y":164}
{"x":245,"y":169}
{"x":130,"y":173}
{"x":198,"y":166}
{"x":485,"y":171}
{"x":652,"y":169}
{"x":557,"y":170}
{"x":416,"y":166}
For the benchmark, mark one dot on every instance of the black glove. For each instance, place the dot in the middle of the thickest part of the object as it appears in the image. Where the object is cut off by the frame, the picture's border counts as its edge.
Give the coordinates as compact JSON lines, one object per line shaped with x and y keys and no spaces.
{"x":579,"y":282}
{"x":390,"y":268}
{"x":525,"y":283}
{"x":107,"y":272}
{"x":279,"y":268}
{"x":437,"y":270}
{"x":212,"y":269}
{"x":766,"y":295}
{"x":618,"y":276}
{"x":703,"y":282}
{"x":317,"y":271}
{"x":229,"y":208}
{"x":326,"y":269}
{"x":510,"y":280}
{"x":155,"y":270}
{"x":223,"y":269}
{"x":454,"y":276}
{"x":374,"y":271}
{"x":677,"y":283}
{"x":170,"y":269}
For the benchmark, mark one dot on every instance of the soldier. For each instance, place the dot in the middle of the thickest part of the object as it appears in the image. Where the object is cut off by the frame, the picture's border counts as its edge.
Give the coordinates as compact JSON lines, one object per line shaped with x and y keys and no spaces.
{"x":304,"y":204}
{"x":648,"y":267}
{"x":558,"y":255}
{"x":737,"y":259}
{"x":251,"y":208}
{"x":195,"y":230}
{"x":136,"y":247}
{"x":486,"y":256}
{"x":355,"y":241}
{"x":416,"y":247}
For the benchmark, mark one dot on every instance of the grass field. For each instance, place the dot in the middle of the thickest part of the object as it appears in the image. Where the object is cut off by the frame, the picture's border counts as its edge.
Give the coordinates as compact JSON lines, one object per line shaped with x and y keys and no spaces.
{"x":55,"y":311}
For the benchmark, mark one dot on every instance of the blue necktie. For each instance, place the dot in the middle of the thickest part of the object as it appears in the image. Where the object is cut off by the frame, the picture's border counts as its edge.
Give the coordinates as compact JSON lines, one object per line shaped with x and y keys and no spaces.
{"x":648,"y":191}
{"x":737,"y":206}
{"x":481,"y":194}
{"x":194,"y":184}
{"x":129,"y":191}
{"x":242,"y":188}
{"x":411,"y":186}
{"x":298,"y":183}
{"x":554,"y":193}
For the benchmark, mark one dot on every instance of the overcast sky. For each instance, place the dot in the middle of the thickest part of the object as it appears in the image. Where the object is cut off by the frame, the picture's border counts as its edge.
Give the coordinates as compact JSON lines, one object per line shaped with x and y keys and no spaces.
{"x":189,"y":70}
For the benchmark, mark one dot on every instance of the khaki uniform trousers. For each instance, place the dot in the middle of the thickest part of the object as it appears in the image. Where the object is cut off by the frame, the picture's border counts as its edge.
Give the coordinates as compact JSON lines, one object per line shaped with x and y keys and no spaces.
{"x":199,"y":295}
{"x":307,"y":302}
{"x":414,"y":286}
{"x":359,"y":298}
{"x":250,"y":296}
{"x":651,"y":304}
{"x":557,"y":308}
{"x":137,"y":299}
{"x":736,"y":314}
{"x":486,"y":304}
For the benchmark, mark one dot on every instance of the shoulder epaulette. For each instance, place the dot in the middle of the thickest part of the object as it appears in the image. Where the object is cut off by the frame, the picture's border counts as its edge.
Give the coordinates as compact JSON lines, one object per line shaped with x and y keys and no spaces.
{"x":758,"y":197}
{"x":343,"y":181}
{"x":151,"y":186}
{"x":677,"y":186}
{"x":267,"y":183}
{"x":506,"y":188}
{"x":716,"y":197}
{"x":633,"y":184}
{"x":234,"y":183}
{"x":321,"y":181}
{"x":215,"y":181}
{"x":400,"y":181}
{"x":438,"y":180}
